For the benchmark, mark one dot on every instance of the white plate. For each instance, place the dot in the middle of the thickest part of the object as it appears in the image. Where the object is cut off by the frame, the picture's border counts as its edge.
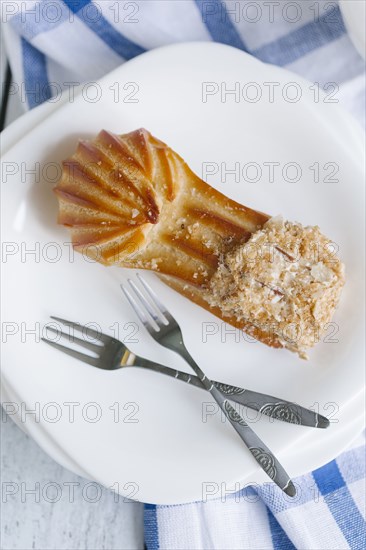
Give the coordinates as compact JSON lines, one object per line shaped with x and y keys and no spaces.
{"x":170,"y":452}
{"x":352,"y":419}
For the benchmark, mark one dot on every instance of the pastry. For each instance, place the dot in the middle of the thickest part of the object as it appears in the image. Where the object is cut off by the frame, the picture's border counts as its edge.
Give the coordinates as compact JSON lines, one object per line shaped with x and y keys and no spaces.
{"x":132,"y":201}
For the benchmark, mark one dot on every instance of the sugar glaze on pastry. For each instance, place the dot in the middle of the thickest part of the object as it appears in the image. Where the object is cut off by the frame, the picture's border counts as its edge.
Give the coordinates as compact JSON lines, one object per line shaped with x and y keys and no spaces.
{"x":131,"y":201}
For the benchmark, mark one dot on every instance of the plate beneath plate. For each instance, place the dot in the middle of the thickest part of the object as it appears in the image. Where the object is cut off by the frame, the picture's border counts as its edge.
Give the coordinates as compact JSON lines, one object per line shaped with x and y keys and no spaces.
{"x":166,"y":442}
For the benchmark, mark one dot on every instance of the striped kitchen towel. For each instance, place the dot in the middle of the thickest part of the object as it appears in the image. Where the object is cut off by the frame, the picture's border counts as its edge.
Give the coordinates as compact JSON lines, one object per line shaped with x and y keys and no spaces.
{"x":328,"y":513}
{"x":51,"y":43}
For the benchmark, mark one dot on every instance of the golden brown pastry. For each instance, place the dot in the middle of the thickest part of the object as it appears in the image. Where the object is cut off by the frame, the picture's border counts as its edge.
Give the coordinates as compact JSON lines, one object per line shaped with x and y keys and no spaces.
{"x":131,"y":201}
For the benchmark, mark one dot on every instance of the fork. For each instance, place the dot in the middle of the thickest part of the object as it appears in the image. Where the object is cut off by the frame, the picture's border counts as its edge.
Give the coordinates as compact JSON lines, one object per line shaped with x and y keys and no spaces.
{"x":111,"y":354}
{"x":162,"y":326}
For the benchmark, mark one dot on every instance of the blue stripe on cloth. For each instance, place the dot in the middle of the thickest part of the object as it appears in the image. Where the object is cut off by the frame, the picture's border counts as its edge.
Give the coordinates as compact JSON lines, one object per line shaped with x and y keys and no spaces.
{"x":217,"y":20}
{"x":151,"y":527}
{"x":328,"y":478}
{"x":36,"y":83}
{"x":280,"y":540}
{"x":303,"y":40}
{"x":43,"y":17}
{"x":341,"y":504}
{"x":92,"y":17}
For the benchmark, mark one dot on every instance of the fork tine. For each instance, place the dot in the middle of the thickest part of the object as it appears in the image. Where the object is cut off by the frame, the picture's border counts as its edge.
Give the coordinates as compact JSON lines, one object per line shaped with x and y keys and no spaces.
{"x":74,"y":339}
{"x":140,"y":312}
{"x":156,"y":301}
{"x":76,"y":354}
{"x":145,"y":303}
{"x":98,"y":335}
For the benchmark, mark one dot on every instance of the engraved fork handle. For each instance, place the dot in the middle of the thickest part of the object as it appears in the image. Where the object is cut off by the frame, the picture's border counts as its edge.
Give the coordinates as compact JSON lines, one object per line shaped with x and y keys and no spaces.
{"x":265,"y":458}
{"x":274,"y":407}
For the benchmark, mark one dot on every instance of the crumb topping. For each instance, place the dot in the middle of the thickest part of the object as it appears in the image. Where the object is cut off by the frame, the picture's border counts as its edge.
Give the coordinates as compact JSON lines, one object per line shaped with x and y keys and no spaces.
{"x":286,"y":279}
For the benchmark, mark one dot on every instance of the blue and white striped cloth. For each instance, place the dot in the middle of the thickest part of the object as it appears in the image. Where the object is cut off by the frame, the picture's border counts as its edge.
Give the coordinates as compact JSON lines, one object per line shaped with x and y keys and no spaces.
{"x":327,"y":514}
{"x":51,"y":43}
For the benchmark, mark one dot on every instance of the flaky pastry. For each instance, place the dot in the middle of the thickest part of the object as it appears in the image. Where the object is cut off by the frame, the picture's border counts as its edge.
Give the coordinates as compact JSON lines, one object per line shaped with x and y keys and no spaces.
{"x":132,"y":201}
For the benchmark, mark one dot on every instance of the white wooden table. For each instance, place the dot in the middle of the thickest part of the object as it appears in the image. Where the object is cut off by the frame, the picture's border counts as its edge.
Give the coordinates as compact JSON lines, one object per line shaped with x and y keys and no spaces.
{"x":44,"y":506}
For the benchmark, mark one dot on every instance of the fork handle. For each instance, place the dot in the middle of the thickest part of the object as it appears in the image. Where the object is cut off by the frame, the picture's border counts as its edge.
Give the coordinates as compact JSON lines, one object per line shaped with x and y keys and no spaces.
{"x":274,"y":407}
{"x":264,"y":457}
{"x":262,"y":454}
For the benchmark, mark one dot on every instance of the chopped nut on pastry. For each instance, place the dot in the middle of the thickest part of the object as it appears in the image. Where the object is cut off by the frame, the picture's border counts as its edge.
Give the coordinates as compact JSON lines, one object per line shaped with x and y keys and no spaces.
{"x":285,"y":277}
{"x":131,"y":201}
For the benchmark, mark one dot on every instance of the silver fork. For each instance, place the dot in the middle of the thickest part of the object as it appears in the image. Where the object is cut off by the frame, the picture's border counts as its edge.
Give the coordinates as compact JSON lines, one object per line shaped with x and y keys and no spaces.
{"x":111,"y":354}
{"x":165,"y":330}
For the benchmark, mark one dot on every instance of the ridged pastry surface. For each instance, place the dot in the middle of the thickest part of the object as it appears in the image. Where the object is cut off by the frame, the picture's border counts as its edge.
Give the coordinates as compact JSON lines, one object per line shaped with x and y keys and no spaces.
{"x":130,"y":200}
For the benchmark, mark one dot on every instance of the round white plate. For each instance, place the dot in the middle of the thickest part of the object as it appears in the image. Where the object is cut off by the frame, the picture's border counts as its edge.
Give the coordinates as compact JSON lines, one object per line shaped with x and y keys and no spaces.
{"x":352,"y":416}
{"x":170,"y":452}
